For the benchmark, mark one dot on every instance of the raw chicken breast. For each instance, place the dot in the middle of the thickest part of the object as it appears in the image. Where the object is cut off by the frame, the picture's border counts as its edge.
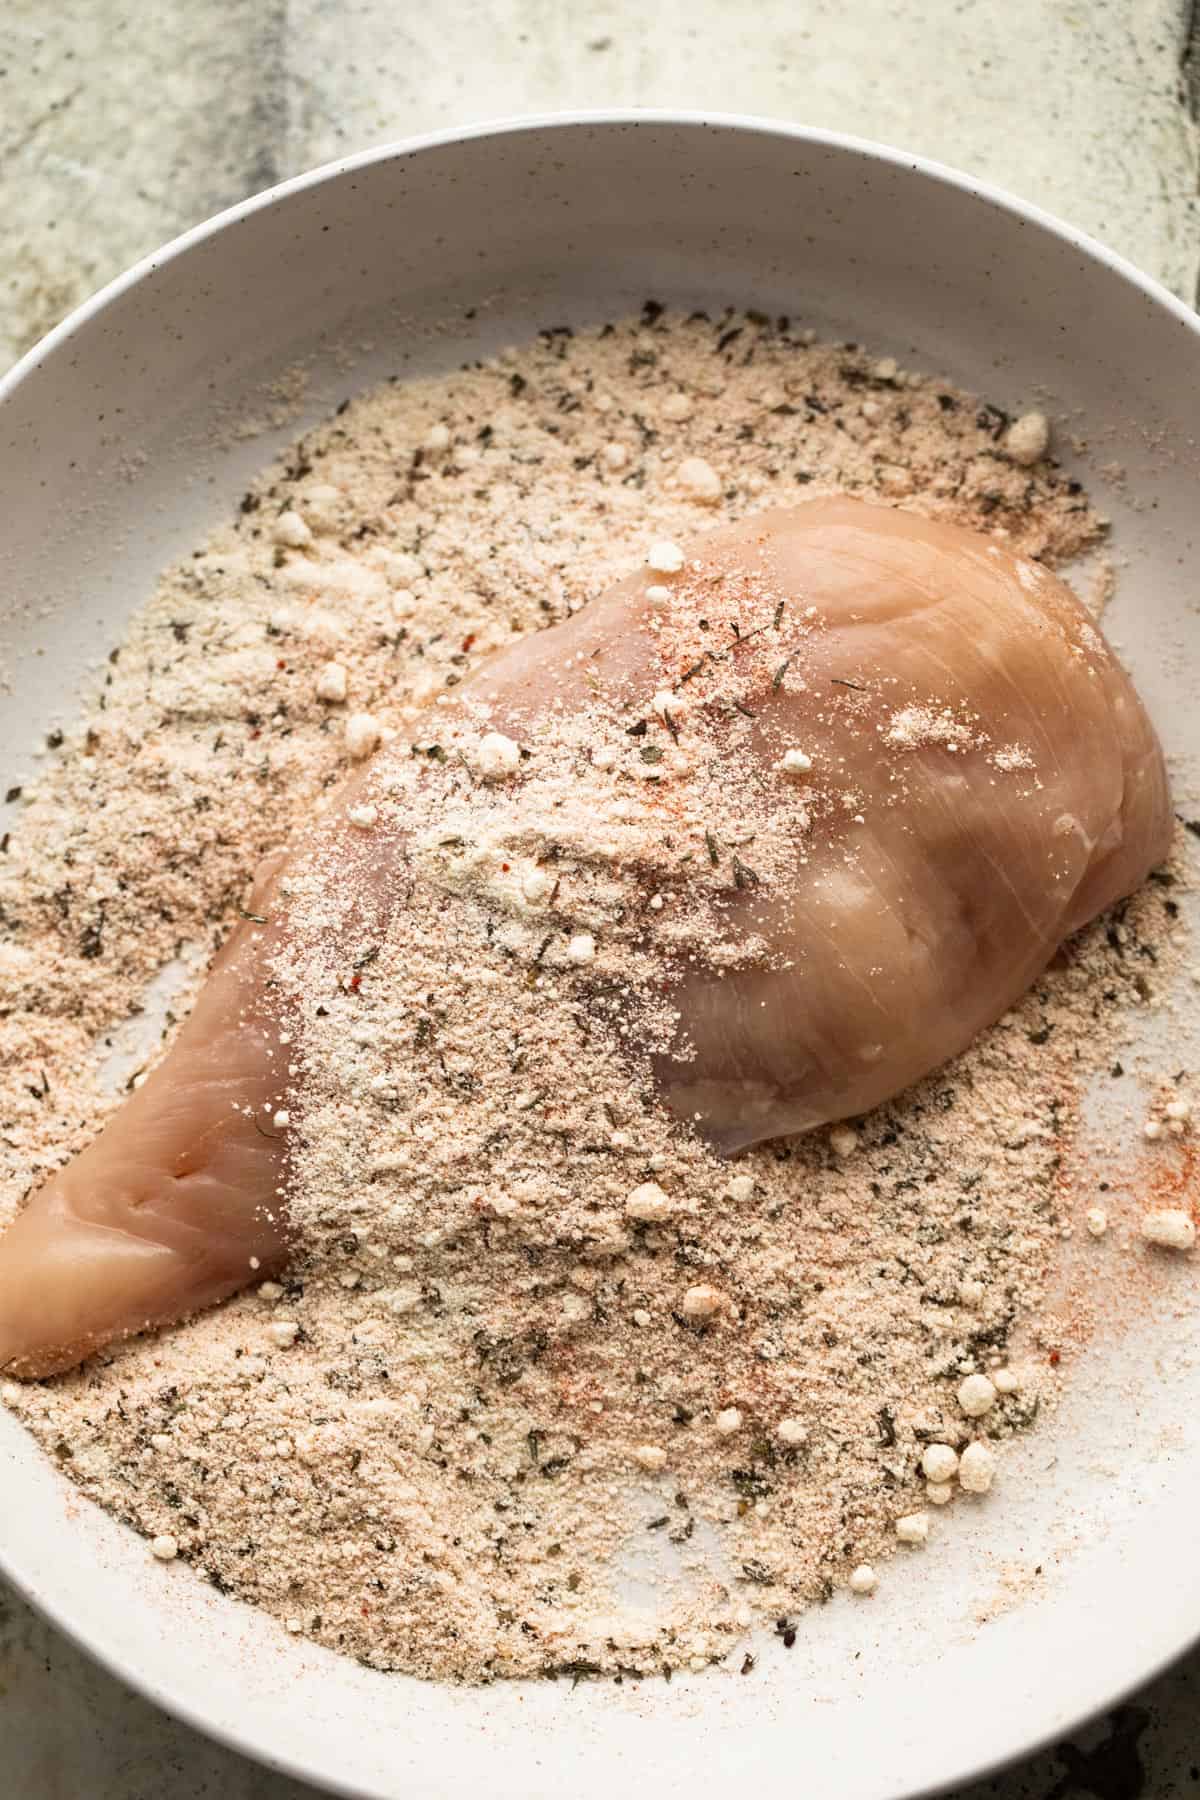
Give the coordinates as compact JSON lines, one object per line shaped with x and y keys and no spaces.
{"x":978,"y":778}
{"x":1009,"y":785}
{"x":163,"y":1212}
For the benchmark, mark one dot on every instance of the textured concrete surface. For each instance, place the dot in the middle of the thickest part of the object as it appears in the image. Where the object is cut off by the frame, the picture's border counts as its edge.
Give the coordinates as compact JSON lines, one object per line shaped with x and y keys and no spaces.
{"x":120,"y":125}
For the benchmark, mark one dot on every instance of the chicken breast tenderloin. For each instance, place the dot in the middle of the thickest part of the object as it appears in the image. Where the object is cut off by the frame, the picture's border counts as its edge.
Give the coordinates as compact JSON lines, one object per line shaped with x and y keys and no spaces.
{"x":960,"y":774}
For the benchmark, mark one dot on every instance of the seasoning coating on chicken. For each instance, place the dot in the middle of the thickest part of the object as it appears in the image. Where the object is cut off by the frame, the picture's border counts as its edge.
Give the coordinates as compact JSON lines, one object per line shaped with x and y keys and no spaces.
{"x":951,"y":773}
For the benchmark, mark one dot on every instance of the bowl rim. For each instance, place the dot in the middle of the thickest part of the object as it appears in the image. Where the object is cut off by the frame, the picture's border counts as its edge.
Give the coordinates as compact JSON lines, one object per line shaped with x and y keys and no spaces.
{"x":142,"y":1681}
{"x":990,"y":193}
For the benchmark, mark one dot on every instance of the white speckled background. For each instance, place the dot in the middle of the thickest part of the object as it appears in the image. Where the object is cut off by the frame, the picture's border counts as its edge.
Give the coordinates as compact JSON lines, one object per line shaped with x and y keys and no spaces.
{"x":120,"y":125}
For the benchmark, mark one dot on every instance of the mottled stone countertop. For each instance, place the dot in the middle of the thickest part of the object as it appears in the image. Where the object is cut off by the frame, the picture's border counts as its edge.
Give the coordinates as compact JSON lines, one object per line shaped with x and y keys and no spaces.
{"x":121,"y":124}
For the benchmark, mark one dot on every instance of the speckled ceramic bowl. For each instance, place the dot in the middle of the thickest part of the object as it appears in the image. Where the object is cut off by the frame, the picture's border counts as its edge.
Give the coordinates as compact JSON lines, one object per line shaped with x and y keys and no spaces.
{"x":116,"y":452}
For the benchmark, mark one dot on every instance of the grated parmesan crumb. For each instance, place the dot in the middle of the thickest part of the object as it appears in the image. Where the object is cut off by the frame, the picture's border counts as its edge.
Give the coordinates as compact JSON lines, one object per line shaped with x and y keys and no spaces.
{"x":913,"y":1528}
{"x":664,"y":557}
{"x":362,"y":735}
{"x":1169,"y":1228}
{"x":1028,"y":439}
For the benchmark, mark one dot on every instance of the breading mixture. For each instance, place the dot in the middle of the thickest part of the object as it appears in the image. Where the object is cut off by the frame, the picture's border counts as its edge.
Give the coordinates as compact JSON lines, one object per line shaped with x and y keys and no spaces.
{"x":549,"y":1386}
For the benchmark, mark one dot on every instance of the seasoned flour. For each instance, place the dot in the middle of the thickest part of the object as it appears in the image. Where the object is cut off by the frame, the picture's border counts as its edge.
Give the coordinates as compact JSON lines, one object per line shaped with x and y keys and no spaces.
{"x":548,"y":1385}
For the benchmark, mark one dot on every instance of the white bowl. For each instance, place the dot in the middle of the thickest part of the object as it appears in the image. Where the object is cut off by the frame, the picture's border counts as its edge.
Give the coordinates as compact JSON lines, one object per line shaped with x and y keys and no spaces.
{"x":117,"y":451}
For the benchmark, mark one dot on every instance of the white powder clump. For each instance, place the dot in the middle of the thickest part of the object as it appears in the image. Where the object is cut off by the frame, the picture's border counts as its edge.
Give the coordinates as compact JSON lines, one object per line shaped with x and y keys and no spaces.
{"x":497,"y":756}
{"x":976,"y":1396}
{"x":648,"y":1204}
{"x":332,"y":683}
{"x":536,"y":884}
{"x":1169,"y":1228}
{"x":1011,"y":757}
{"x":939,"y":1462}
{"x":362,"y":735}
{"x":914,"y":727}
{"x":976,"y":1469}
{"x":913,"y":1528}
{"x":1028,"y":438}
{"x":664,"y":557}
{"x":291,"y":531}
{"x":699,"y":480}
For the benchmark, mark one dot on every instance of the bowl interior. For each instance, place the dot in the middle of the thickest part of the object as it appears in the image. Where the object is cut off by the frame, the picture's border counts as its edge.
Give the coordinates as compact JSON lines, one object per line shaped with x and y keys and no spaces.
{"x":124,"y":437}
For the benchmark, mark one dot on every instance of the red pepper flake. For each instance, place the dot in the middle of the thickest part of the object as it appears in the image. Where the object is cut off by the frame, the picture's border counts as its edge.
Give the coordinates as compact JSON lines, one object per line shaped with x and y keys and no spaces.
{"x":505,"y":867}
{"x":354,"y":983}
{"x":255,"y":733}
{"x":1054,"y":1359}
{"x":469,"y":640}
{"x":280,"y":664}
